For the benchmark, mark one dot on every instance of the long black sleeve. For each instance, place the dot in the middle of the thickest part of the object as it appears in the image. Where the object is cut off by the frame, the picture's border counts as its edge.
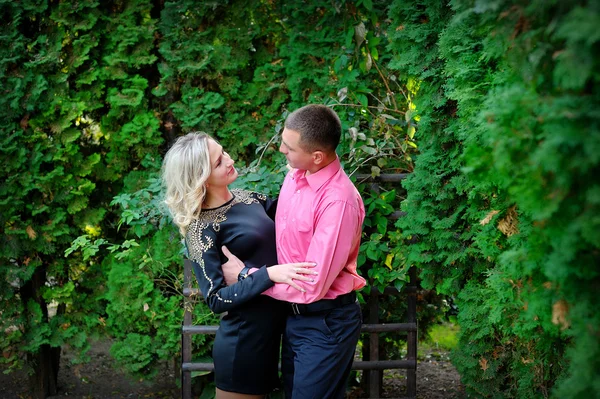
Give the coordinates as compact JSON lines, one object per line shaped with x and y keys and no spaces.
{"x":205,"y":251}
{"x":242,"y":224}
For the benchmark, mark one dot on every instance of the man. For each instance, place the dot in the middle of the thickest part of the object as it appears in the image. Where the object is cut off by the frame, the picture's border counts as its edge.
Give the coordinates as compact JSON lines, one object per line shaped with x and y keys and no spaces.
{"x":319,"y":218}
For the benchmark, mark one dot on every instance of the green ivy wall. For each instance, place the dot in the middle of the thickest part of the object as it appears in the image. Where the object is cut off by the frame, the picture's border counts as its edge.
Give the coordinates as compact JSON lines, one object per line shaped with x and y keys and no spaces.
{"x":503,"y":198}
{"x":500,"y":98}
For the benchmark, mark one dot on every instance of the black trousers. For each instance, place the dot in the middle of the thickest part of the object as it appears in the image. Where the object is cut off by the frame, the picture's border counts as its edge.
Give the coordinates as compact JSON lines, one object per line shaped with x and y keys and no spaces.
{"x":318,"y":350}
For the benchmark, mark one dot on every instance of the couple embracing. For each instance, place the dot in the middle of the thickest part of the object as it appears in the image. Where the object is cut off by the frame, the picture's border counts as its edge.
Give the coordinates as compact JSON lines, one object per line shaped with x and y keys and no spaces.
{"x":284,"y":267}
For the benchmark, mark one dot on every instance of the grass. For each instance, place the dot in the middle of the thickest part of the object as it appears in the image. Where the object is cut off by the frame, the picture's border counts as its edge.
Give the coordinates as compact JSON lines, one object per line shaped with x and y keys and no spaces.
{"x":442,"y":336}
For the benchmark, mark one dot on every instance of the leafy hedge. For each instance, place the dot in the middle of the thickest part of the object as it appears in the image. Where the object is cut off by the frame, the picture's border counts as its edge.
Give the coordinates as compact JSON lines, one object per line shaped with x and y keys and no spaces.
{"x":75,"y":120}
{"x":95,"y":91}
{"x":502,"y":206}
{"x":503,"y":198}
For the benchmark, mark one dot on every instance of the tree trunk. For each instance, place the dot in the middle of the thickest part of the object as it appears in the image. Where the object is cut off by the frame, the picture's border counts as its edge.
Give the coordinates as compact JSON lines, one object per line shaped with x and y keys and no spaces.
{"x":45,"y":361}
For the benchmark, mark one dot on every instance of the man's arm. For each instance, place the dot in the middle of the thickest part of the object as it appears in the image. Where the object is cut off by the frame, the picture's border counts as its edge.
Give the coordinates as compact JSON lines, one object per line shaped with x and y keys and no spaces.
{"x":232,"y":268}
{"x":289,"y":274}
{"x":336,"y":236}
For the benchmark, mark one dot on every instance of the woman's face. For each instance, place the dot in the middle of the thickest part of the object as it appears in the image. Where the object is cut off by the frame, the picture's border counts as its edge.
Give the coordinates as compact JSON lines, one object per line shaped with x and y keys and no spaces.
{"x":222,"y":171}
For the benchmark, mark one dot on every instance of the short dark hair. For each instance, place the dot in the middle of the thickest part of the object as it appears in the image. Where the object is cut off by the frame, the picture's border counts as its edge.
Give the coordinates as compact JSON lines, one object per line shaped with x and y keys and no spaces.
{"x":319,"y":127}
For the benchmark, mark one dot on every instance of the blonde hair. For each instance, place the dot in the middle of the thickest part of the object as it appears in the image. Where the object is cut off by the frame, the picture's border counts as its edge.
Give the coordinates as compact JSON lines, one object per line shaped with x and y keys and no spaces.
{"x":185,"y":169}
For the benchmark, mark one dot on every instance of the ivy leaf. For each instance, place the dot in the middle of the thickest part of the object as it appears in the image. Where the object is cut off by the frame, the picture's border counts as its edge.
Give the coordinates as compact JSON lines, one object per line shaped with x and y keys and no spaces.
{"x":253,"y":177}
{"x":369,"y":150}
{"x":388,"y":260}
{"x":349,"y":35}
{"x":388,"y":196}
{"x":368,"y":62}
{"x":382,"y":223}
{"x":363,"y":100}
{"x":372,"y":253}
{"x":374,"y":52}
{"x":360,"y":32}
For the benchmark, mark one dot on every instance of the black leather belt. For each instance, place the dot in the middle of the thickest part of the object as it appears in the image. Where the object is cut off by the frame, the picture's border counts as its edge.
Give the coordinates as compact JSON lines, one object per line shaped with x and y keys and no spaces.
{"x":324,"y":304}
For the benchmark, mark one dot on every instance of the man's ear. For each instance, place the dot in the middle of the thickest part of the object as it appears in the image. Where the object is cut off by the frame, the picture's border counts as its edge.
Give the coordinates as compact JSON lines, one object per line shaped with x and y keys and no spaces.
{"x":318,"y":157}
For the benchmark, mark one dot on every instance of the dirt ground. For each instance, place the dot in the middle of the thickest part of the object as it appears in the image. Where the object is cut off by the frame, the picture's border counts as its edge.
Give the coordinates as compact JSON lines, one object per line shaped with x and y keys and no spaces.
{"x":436,"y":379}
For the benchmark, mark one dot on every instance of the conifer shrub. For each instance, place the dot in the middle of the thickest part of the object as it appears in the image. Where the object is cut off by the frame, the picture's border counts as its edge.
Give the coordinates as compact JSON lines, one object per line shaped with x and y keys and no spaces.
{"x":75,"y":120}
{"x":491,"y":107}
{"x":500,"y":202}
{"x":94,"y":94}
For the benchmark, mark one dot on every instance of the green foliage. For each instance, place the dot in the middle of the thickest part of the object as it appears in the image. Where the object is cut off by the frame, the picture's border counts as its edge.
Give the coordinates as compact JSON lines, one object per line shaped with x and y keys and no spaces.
{"x":443,"y":336}
{"x":499,"y":100}
{"x":145,"y":284}
{"x":145,"y":280}
{"x":225,"y":79}
{"x":501,"y":200}
{"x":70,"y":122}
{"x":381,"y":249}
{"x":95,"y":90}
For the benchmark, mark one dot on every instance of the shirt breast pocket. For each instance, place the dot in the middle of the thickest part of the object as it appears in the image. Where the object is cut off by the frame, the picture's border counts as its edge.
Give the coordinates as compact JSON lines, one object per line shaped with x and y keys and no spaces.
{"x":300,"y":236}
{"x":304,"y":228}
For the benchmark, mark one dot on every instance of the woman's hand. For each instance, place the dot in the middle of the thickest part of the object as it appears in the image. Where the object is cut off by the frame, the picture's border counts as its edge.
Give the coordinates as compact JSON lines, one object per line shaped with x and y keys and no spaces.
{"x":285,"y":273}
{"x":289,"y":272}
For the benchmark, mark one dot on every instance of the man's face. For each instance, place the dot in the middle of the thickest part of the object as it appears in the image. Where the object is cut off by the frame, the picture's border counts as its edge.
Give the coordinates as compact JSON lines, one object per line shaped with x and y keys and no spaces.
{"x":296,"y":156}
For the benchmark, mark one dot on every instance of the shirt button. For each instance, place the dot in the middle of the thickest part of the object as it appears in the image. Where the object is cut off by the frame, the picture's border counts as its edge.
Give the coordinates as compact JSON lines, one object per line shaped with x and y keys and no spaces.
{"x":298,"y":192}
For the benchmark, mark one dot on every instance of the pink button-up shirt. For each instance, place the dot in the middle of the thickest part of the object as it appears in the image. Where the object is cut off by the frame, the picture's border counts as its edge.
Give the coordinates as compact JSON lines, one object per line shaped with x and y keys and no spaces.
{"x":319,"y":218}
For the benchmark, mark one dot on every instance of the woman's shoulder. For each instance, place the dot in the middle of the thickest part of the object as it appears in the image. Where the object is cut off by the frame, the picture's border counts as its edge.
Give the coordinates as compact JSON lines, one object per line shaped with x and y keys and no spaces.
{"x":248,"y":196}
{"x":208,"y":221}
{"x":211,"y":219}
{"x":201,"y":225}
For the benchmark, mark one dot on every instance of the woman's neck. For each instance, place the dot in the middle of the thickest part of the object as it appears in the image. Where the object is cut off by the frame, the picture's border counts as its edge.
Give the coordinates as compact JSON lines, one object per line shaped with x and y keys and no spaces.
{"x":216,"y":198}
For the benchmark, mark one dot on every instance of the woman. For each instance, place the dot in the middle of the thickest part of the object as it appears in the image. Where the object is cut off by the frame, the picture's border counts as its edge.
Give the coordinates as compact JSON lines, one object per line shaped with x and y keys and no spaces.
{"x":197,"y":173}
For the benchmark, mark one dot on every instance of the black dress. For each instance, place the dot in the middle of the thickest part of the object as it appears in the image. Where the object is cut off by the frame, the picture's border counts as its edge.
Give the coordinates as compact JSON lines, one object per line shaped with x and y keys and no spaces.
{"x":246,"y":347}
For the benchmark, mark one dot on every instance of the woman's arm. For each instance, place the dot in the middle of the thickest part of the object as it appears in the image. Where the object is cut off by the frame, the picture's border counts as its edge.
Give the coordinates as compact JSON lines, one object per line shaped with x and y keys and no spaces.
{"x":204,"y":252}
{"x":285,"y":273}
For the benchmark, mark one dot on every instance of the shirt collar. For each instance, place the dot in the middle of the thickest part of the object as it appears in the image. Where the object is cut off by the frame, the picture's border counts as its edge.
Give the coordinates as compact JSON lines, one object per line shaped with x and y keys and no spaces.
{"x":317,"y":179}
